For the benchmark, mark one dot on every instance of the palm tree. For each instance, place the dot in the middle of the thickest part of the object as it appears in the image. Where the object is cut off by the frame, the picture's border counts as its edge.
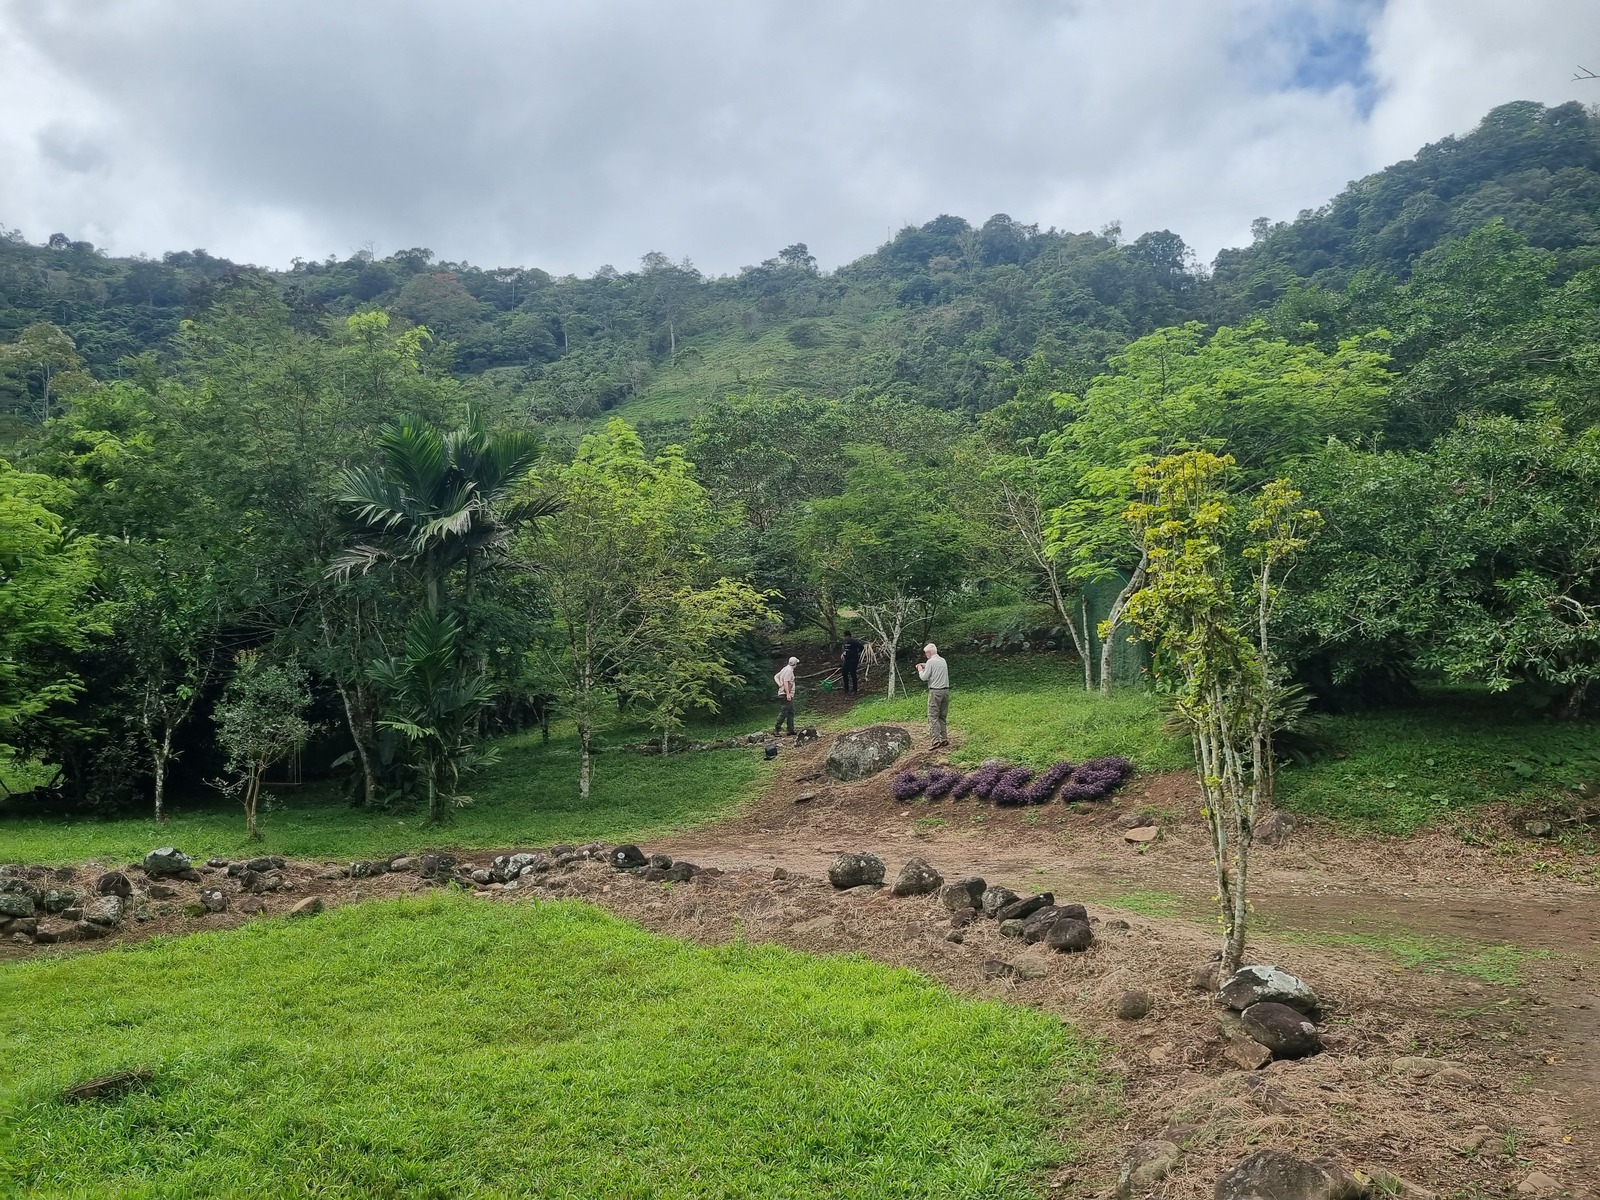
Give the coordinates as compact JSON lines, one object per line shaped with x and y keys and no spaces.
{"x":436,"y":705}
{"x":436,"y":501}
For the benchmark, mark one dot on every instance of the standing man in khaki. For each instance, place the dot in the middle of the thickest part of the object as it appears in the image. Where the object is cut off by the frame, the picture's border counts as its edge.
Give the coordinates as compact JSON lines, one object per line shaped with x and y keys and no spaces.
{"x":936,"y":674}
{"x":785,"y":681}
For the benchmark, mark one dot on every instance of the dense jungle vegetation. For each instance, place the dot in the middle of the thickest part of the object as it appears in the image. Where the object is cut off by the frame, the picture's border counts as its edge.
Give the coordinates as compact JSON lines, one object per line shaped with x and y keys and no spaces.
{"x":376,"y":511}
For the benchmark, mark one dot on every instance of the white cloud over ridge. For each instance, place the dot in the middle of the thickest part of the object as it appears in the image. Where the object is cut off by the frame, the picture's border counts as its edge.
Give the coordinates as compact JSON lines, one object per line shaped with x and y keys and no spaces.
{"x":567,"y":136}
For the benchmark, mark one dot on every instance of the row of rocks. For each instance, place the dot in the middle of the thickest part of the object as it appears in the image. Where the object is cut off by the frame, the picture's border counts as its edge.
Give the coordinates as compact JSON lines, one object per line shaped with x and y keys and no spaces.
{"x":1035,"y":918}
{"x":759,"y":738}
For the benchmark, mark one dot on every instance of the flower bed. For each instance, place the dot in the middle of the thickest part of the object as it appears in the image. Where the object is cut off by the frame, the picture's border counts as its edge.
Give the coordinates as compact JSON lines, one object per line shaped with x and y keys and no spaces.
{"x":1011,"y":785}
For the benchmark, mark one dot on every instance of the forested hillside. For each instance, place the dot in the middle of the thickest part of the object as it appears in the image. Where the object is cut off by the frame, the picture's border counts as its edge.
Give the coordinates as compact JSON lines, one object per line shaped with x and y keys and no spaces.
{"x":945,"y":315}
{"x":394,"y":505}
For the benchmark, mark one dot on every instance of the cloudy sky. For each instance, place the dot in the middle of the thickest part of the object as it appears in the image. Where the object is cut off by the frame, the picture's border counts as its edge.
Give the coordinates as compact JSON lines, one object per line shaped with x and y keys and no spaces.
{"x":575,"y":134}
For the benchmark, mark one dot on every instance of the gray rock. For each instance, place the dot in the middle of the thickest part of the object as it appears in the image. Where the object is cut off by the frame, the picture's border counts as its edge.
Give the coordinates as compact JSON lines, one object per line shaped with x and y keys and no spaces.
{"x":861,"y":753}
{"x":680,"y":872}
{"x":1238,"y":1047}
{"x":963,"y":893}
{"x":916,"y":878}
{"x":217,"y":864}
{"x":1028,"y":968}
{"x":436,"y":866}
{"x":1256,"y":984}
{"x":482,"y":877}
{"x":15,"y":904}
{"x":994,"y":968}
{"x":403,"y":862}
{"x":104,"y":910}
{"x":1145,"y":1164}
{"x":1069,"y":936}
{"x":995,"y":898}
{"x":366,"y":870}
{"x":309,"y":907}
{"x":956,"y":936}
{"x":113,"y":883}
{"x":1539,"y":829}
{"x":27,"y":925}
{"x":214,"y":900}
{"x":1286,"y":1032}
{"x":54,"y":900}
{"x":626,"y":857}
{"x":167,"y":860}
{"x":779,"y":874}
{"x":1276,"y":1175}
{"x":661,"y":862}
{"x":855,"y":870}
{"x":1037,"y":925}
{"x":1021,"y":910}
{"x":269,"y":862}
{"x":654,"y":874}
{"x":54,"y":932}
{"x":963,"y":918}
{"x":1204,"y":977}
{"x":1011,"y":928}
{"x":1118,"y":924}
{"x":161,"y":891}
{"x":1134,"y":1005}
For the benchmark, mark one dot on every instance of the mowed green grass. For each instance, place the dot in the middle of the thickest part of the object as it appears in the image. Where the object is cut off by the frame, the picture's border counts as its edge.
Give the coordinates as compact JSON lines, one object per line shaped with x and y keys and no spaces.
{"x":449,"y":1047}
{"x":1034,"y":710}
{"x":1396,"y":770}
{"x":529,"y":798}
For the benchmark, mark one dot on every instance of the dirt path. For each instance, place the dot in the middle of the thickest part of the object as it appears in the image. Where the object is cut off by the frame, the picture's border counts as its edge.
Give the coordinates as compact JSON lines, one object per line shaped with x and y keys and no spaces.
{"x":1430,"y":894}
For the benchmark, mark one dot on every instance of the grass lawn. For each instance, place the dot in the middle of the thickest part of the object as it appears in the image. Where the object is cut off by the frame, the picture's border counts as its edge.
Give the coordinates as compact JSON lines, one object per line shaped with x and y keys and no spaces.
{"x":1396,"y":770}
{"x":1034,"y":710}
{"x":447,"y":1047}
{"x":529,"y":798}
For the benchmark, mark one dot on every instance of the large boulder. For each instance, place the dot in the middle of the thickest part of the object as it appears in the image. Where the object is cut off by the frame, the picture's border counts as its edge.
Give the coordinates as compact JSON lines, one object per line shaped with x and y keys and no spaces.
{"x":1276,"y":1175}
{"x":1021,"y":910}
{"x":855,"y":870}
{"x":167,"y":860}
{"x":995,"y":898}
{"x":104,"y":910}
{"x":1286,"y":1032}
{"x":1258,"y":984}
{"x":1038,"y":924}
{"x":916,"y":878}
{"x":859,"y":753}
{"x":15,"y":904}
{"x":627,"y":856}
{"x":1069,"y":936}
{"x":963,"y":893}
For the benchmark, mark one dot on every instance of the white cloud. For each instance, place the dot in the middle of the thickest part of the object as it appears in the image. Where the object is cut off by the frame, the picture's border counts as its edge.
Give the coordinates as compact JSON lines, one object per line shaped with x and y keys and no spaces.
{"x":566,"y":136}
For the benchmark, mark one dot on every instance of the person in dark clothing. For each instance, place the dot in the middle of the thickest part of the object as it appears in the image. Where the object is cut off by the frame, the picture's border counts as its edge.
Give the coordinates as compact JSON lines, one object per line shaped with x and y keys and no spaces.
{"x":850,"y":663}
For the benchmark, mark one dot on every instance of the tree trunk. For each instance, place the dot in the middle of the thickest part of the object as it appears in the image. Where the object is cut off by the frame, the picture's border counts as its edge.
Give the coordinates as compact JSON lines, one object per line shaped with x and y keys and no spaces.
{"x":360,"y":728}
{"x":583,"y":758}
{"x":1114,"y":621}
{"x":161,"y":787}
{"x":252,"y":793}
{"x":434,"y":815}
{"x":1572,"y":703}
{"x":1088,"y":661}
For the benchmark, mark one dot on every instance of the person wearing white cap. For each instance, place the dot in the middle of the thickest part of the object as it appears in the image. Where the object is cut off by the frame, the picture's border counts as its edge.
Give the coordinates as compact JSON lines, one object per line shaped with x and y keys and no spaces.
{"x":936,"y":674}
{"x":785,"y":681}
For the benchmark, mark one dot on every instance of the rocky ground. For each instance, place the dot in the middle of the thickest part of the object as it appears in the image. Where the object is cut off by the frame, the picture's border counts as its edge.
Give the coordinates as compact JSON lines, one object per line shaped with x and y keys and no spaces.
{"x":1422,"y":1083}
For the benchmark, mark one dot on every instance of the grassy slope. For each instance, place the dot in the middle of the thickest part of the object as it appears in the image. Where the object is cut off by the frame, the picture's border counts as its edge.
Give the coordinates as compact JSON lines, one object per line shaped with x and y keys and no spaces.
{"x":529,"y":798}
{"x":445,"y":1047}
{"x":1388,"y":770}
{"x":1034,"y":710}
